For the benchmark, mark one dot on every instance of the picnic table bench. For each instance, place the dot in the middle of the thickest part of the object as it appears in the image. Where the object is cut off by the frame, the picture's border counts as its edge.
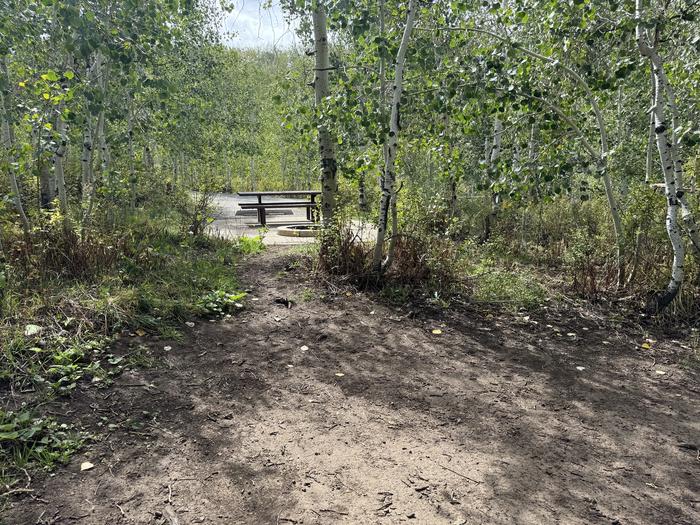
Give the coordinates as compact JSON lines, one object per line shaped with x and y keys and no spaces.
{"x":311,"y":205}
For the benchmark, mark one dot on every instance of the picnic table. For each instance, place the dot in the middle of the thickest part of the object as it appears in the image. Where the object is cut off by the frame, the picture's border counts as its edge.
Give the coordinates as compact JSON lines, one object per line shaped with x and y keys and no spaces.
{"x":311,"y":205}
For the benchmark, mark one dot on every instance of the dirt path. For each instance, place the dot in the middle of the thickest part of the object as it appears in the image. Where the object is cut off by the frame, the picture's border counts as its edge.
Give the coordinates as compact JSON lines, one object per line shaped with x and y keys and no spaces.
{"x":342,"y":410}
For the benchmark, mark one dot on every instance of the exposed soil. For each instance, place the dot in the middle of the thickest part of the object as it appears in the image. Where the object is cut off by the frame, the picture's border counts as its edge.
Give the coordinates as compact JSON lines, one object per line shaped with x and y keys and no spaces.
{"x":341,"y":409}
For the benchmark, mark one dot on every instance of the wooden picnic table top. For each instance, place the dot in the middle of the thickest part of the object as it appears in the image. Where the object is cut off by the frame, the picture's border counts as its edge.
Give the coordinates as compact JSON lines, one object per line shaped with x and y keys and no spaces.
{"x":284,"y":192}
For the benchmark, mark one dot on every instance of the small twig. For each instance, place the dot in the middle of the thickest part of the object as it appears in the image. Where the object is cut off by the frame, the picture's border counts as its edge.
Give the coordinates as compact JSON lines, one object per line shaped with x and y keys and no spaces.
{"x":120,"y":509}
{"x":203,"y":382}
{"x":15,"y":491}
{"x":457,"y":473}
{"x":334,"y":511}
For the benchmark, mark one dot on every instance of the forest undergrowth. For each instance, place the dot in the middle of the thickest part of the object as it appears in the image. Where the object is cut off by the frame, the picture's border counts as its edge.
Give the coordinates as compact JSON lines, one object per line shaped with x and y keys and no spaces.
{"x":63,"y":307}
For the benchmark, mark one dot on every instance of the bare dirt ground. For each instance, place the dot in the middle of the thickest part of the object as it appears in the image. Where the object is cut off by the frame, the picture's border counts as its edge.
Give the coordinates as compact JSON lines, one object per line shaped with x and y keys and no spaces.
{"x":344,"y":410}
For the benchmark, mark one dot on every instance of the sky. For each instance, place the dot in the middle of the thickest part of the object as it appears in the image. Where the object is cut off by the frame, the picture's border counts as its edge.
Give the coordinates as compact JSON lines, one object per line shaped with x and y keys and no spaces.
{"x":257,"y":26}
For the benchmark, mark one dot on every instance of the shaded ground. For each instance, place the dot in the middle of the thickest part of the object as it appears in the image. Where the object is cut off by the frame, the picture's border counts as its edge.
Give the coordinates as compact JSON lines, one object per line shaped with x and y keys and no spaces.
{"x":343,"y":410}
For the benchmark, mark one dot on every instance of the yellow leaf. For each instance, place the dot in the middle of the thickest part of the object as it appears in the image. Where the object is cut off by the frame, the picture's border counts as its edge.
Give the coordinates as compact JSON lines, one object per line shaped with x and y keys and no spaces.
{"x":646,"y":345}
{"x":437,"y":331}
{"x":140,"y":332}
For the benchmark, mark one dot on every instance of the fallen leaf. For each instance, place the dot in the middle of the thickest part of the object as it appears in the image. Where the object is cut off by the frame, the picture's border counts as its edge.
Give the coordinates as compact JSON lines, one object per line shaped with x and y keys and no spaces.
{"x":580,"y":368}
{"x":32,"y":329}
{"x":189,"y":323}
{"x":304,"y":348}
{"x":86,"y":465}
{"x":167,"y":348}
{"x":348,"y":294}
{"x":647,"y":346}
{"x":140,"y":332}
{"x":661,"y":372}
{"x":339,"y":374}
{"x":437,"y":331}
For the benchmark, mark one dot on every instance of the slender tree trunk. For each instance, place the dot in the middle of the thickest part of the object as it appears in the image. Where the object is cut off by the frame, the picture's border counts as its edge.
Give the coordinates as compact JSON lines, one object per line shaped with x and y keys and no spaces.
{"x":8,"y":142}
{"x":665,"y":143}
{"x":326,"y":142}
{"x":651,"y":136}
{"x":452,"y":180}
{"x":362,"y":193}
{"x":93,"y":133}
{"x":46,"y":184}
{"x":149,"y":163}
{"x":392,"y":144}
{"x":174,"y":162}
{"x":229,"y":181}
{"x":86,"y":159}
{"x":132,"y":159}
{"x":364,"y":205}
{"x":58,"y":166}
{"x":183,"y":168}
{"x":687,"y":215}
{"x":493,"y":159}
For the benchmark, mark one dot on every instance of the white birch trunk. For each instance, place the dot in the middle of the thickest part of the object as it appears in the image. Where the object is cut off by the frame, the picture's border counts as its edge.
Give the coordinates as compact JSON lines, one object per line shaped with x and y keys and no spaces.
{"x":651,"y":136}
{"x":493,"y":158}
{"x":389,"y":180}
{"x":691,"y":226}
{"x":91,"y":135}
{"x":132,"y":159}
{"x":326,"y":142}
{"x":665,"y":142}
{"x":8,"y":143}
{"x":86,"y":158}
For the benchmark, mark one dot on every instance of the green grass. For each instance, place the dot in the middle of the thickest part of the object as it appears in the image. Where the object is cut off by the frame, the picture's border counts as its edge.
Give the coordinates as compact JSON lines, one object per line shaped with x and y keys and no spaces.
{"x":56,"y":332}
{"x":515,"y":288}
{"x":250,"y":245}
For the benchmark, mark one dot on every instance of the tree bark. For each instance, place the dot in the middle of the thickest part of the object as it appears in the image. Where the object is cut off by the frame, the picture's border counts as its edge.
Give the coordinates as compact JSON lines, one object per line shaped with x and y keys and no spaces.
{"x":8,"y":142}
{"x":86,"y":159}
{"x":665,"y":143}
{"x":47,"y":184}
{"x":132,"y":159}
{"x":58,"y":167}
{"x":493,"y":158}
{"x":392,"y":144}
{"x":326,"y":142}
